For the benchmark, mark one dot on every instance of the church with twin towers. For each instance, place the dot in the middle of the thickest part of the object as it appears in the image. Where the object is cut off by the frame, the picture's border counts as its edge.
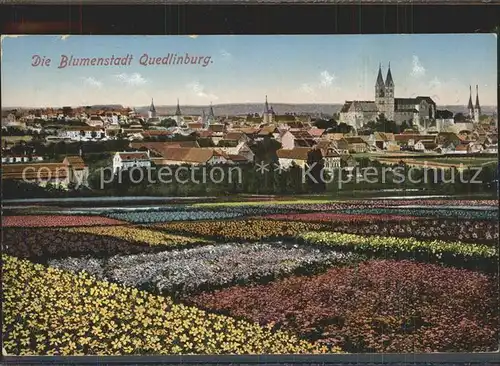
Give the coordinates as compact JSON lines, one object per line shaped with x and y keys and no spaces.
{"x":419,"y":111}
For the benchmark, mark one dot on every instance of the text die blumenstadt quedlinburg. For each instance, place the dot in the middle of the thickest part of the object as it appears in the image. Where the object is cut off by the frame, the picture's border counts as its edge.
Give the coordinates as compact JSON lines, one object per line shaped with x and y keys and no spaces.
{"x":145,"y":60}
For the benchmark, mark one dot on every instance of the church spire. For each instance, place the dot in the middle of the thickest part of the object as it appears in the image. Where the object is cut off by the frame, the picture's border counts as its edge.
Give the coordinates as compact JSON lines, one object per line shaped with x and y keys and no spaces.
{"x":178,"y":110}
{"x":477,"y":99}
{"x":266,"y":107}
{"x":388,"y":79}
{"x":470,"y":106}
{"x":211,"y":113}
{"x":152,"y":106}
{"x":380,"y":79}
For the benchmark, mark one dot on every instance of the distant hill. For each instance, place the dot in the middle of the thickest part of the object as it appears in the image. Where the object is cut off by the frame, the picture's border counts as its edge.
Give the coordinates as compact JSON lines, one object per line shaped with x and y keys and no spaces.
{"x":486,"y":109}
{"x":281,"y":108}
{"x":250,"y":108}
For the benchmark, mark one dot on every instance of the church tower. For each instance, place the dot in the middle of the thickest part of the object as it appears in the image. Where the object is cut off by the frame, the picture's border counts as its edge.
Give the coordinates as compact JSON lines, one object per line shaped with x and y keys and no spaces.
{"x":477,"y":107}
{"x":178,"y":115}
{"x":203,"y":119}
{"x":470,"y":107}
{"x":389,"y":95}
{"x":152,"y":110}
{"x":380,"y":91}
{"x":267,"y":116}
{"x":211,"y":116}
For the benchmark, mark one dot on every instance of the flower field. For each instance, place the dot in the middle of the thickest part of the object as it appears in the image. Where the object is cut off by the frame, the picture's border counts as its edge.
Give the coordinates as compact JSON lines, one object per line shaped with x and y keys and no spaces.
{"x":205,"y":267}
{"x":378,"y":306}
{"x":439,"y":213}
{"x":242,"y":230}
{"x":57,"y":221}
{"x":254,"y":277}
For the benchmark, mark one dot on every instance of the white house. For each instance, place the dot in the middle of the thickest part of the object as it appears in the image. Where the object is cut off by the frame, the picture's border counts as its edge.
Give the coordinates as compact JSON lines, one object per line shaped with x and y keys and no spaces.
{"x":82,"y":133}
{"x":331,"y":159}
{"x":292,"y":139}
{"x":475,"y":147}
{"x":241,"y":149}
{"x":445,"y":124}
{"x":298,"y":155}
{"x":425,"y":145}
{"x":127,"y":160}
{"x":20,"y":159}
{"x":95,"y":121}
{"x":491,"y":148}
{"x":192,"y":156}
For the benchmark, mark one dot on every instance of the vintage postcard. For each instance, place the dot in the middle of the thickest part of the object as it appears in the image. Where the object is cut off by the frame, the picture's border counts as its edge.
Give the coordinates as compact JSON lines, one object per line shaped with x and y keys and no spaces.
{"x":249,"y":195}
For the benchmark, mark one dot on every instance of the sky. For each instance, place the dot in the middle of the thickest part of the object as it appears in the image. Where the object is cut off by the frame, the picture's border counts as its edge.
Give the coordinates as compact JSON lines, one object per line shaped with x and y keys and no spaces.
{"x":244,"y":69}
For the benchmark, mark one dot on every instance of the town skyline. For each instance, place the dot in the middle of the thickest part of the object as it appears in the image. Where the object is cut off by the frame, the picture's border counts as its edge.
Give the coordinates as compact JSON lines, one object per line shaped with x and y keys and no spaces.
{"x":320,"y":70}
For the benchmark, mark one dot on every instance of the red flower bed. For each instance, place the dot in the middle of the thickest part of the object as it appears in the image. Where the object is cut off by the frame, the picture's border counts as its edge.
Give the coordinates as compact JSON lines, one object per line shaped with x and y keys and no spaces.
{"x":443,"y":202}
{"x":378,"y":306}
{"x":334,"y":217}
{"x":56,"y":221}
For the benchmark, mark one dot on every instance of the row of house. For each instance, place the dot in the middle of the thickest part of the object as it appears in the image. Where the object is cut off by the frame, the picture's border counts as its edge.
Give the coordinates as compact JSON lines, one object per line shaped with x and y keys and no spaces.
{"x":72,"y":170}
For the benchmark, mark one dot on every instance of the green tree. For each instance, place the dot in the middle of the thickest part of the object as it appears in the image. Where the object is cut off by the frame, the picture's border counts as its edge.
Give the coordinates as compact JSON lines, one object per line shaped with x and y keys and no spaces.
{"x":168,"y":122}
{"x":326,"y":124}
{"x":459,"y":117}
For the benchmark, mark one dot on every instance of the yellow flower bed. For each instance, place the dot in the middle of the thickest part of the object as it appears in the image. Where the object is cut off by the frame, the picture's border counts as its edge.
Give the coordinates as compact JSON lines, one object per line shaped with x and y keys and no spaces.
{"x":137,"y":234}
{"x":242,"y":229}
{"x":48,"y":311}
{"x":262,"y":203}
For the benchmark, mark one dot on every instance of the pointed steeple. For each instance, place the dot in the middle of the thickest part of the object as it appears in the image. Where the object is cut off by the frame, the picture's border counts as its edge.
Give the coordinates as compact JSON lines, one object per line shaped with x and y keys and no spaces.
{"x":151,"y":107}
{"x":266,"y":107}
{"x":380,"y":79}
{"x":470,"y":106}
{"x":211,"y":113}
{"x":477,"y":99}
{"x":178,"y":110}
{"x":388,"y":79}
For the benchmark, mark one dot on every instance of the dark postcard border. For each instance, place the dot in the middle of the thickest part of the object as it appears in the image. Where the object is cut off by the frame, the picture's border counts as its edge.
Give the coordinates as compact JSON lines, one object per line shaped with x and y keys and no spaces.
{"x":250,"y":19}
{"x":368,"y":358}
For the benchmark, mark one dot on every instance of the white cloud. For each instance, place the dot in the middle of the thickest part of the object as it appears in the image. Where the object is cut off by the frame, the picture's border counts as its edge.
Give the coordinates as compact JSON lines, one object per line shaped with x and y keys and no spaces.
{"x":199,"y":90}
{"x":327,"y":79}
{"x":90,"y":81}
{"x":307,"y":88}
{"x":435,"y":83}
{"x":131,"y":79}
{"x":418,"y":69}
{"x":193,"y":36}
{"x":226,"y":55}
{"x":65,"y":37}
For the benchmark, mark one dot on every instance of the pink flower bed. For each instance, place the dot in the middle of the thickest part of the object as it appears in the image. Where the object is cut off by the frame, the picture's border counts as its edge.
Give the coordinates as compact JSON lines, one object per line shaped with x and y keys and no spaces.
{"x":56,"y":221}
{"x":444,"y":202}
{"x":331,"y":217}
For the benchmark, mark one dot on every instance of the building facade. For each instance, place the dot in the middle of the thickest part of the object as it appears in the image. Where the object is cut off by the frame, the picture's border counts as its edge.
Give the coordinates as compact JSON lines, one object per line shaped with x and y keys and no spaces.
{"x":419,"y":111}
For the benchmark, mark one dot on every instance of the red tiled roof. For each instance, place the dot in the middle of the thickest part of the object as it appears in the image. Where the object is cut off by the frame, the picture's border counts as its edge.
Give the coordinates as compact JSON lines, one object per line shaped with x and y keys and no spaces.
{"x":188,"y":155}
{"x":233,"y":135}
{"x":316,"y":132}
{"x":134,"y":155}
{"x":462,"y":148}
{"x":216,"y":128}
{"x":298,"y":153}
{"x":151,"y":133}
{"x":195,"y":125}
{"x":162,"y":148}
{"x":204,"y":133}
{"x":35,"y":171}
{"x":76,"y":162}
{"x":237,"y":158}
